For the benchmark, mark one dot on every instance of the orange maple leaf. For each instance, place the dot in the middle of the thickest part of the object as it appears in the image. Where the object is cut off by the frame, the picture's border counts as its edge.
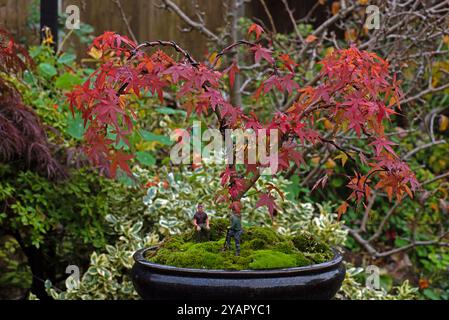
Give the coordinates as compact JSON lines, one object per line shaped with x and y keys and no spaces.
{"x":258,"y":30}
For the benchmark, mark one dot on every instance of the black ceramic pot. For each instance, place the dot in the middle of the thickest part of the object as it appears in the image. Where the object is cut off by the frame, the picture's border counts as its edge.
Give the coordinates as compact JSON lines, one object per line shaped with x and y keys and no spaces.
{"x":159,"y":282}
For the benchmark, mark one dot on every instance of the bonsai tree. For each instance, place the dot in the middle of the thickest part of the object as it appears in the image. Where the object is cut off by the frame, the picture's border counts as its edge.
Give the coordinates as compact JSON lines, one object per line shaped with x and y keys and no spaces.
{"x":354,"y":92}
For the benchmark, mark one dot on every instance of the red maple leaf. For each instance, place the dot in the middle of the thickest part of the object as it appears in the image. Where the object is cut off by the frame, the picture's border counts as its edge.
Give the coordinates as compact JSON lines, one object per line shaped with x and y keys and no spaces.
{"x":227,"y":175}
{"x":255,"y":28}
{"x":262,"y":53}
{"x":322,"y":181}
{"x":288,"y":62}
{"x":119,"y":160}
{"x":214,"y":98}
{"x":359,"y":187}
{"x":237,"y":186}
{"x":341,"y":210}
{"x":231,"y":113}
{"x":231,"y":71}
{"x":267,"y":200}
{"x":381,"y":144}
{"x":179,"y":72}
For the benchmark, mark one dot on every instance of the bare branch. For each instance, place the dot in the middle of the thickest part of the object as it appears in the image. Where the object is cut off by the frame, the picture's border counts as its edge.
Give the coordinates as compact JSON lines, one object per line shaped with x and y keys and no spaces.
{"x":270,"y":17}
{"x":376,"y":254}
{"x":368,"y":211}
{"x":125,"y":20}
{"x":292,"y":19}
{"x":384,"y":221}
{"x":424,"y":92}
{"x":194,"y":24}
{"x":425,"y":146}
{"x":323,"y":27}
{"x":441,"y":176}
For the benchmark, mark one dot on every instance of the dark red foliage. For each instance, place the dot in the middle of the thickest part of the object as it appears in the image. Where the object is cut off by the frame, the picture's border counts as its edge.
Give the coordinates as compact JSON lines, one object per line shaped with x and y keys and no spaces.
{"x":23,"y":141}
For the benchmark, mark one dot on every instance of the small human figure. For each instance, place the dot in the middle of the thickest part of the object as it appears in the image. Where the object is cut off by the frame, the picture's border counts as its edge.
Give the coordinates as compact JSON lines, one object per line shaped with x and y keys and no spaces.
{"x":201,"y":223}
{"x":235,"y":231}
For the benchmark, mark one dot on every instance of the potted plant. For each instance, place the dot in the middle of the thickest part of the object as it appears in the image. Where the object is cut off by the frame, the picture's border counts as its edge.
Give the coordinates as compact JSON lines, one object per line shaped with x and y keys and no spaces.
{"x":353,"y":92}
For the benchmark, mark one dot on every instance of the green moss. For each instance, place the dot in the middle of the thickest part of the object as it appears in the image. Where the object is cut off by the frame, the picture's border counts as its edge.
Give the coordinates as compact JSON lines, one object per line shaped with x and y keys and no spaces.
{"x":254,"y":244}
{"x":285,"y":246}
{"x":268,"y":259}
{"x":302,"y":260}
{"x":203,"y":255}
{"x":260,"y":233}
{"x":319,"y":257}
{"x":236,"y":263}
{"x":261,"y":248}
{"x":174,"y":243}
{"x":306,"y":242}
{"x":218,"y":228}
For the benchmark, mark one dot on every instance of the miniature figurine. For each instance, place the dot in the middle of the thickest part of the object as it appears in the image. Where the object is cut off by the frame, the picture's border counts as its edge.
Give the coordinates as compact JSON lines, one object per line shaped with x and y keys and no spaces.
{"x":234,"y":231}
{"x":201,"y":223}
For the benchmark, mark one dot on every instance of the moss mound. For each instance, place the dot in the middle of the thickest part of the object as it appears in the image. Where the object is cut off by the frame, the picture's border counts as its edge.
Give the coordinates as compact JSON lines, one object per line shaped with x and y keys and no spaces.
{"x":261,"y":249}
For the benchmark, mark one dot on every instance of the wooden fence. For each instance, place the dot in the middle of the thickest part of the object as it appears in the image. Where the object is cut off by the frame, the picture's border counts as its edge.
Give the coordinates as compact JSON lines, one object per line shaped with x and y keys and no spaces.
{"x":146,"y":20}
{"x":14,"y":16}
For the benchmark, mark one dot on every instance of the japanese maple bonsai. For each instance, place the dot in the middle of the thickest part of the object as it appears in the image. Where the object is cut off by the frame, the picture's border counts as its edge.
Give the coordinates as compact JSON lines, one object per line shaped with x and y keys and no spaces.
{"x":353,"y":92}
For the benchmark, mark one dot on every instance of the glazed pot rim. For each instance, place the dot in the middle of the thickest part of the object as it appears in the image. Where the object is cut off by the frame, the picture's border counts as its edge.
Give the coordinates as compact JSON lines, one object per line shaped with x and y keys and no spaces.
{"x":139,"y":258}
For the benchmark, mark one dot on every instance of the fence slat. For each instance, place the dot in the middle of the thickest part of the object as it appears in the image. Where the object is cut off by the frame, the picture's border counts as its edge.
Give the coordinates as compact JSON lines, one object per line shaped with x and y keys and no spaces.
{"x":146,"y":20}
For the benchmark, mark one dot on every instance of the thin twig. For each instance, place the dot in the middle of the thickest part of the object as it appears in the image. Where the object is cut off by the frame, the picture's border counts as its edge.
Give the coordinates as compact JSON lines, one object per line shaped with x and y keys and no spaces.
{"x":442,"y":176}
{"x":292,"y":19}
{"x":376,"y":254}
{"x":368,"y":211}
{"x":424,"y":92}
{"x":425,"y":146}
{"x":270,"y":17}
{"x":194,"y":24}
{"x":125,"y":20}
{"x":384,"y":221}
{"x":323,"y":27}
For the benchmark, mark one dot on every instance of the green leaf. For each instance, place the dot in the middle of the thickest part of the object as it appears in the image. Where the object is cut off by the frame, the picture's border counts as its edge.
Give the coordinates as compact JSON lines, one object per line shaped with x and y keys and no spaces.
{"x":35,"y":51}
{"x":88,"y":71}
{"x":47,"y":70}
{"x":124,"y":179}
{"x":118,"y":146}
{"x":429,"y":293}
{"x":111,"y":249}
{"x":66,"y":58}
{"x":28,"y":77}
{"x":111,"y":219}
{"x":293,"y":189}
{"x":170,"y":111}
{"x":48,"y":284}
{"x":67,"y":81}
{"x":75,"y":126}
{"x":151,"y":137}
{"x":398,"y":242}
{"x":337,"y":182}
{"x":137,"y":227}
{"x":151,"y":193}
{"x":145,"y":158}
